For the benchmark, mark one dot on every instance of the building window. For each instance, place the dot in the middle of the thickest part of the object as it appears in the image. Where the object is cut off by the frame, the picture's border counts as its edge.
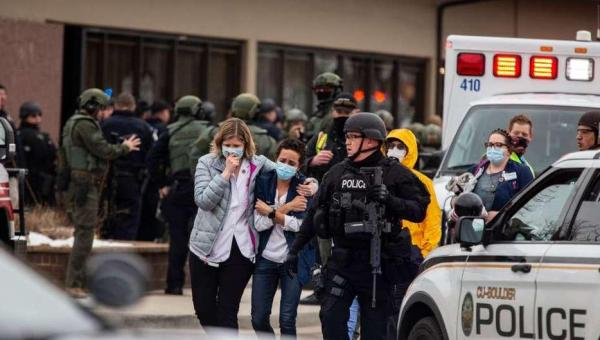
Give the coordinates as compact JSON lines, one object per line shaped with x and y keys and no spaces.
{"x":378,"y":82}
{"x":162,"y":67}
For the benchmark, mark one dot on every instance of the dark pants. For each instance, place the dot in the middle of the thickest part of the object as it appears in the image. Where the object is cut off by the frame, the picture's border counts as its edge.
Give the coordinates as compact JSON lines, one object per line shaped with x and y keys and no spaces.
{"x":217,"y":291}
{"x":267,"y":275}
{"x":125,"y":213}
{"x":179,"y":211}
{"x":151,"y":228}
{"x":336,"y":298}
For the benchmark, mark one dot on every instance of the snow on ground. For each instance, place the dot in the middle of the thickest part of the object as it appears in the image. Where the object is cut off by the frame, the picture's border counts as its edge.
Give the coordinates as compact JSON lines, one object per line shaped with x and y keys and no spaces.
{"x":37,"y":239}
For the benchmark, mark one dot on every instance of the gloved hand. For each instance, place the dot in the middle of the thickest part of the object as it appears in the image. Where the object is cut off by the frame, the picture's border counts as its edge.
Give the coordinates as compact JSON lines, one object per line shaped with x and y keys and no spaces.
{"x":291,"y":265}
{"x":378,"y":193}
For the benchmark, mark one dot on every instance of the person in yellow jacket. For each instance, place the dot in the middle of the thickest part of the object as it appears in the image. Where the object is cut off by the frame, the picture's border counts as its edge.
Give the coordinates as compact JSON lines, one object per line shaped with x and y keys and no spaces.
{"x":402,"y":145}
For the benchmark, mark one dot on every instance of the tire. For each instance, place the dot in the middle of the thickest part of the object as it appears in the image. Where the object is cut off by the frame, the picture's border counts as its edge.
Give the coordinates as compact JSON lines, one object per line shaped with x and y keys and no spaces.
{"x":426,"y":329}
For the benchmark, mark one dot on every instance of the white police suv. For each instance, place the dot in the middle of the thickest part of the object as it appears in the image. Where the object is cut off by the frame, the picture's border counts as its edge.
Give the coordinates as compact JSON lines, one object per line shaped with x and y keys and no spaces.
{"x":533,"y":272}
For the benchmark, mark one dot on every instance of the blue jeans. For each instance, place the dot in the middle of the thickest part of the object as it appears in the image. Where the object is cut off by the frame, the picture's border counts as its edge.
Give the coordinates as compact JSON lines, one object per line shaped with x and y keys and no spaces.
{"x":267,"y":275}
{"x":353,"y":319}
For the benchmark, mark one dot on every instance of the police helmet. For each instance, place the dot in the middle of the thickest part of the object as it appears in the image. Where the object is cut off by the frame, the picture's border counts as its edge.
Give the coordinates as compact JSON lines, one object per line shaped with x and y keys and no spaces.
{"x":387,"y":118}
{"x":29,"y":108}
{"x":245,"y":106}
{"x":92,"y":100}
{"x":591,"y":119}
{"x":468,"y":204}
{"x":419,"y":130}
{"x":368,"y":124}
{"x":189,"y":106}
{"x":209,"y":110}
{"x":328,"y":79}
{"x":434,"y":135}
{"x":295,"y":115}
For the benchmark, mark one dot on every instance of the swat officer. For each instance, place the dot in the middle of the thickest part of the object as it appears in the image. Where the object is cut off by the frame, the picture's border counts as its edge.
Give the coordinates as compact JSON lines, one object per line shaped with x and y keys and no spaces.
{"x":83,"y":160}
{"x":326,"y":87}
{"x":125,"y":186}
{"x":245,"y":107}
{"x":348,"y":272}
{"x":294,"y":126}
{"x":169,"y":165}
{"x":39,"y":156}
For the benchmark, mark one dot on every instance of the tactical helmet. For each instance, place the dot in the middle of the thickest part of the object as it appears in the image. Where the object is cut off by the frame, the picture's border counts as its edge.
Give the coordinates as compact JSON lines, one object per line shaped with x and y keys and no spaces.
{"x":419,"y":130}
{"x":387,"y":118}
{"x":29,"y":108}
{"x":468,"y":204}
{"x":368,"y":124}
{"x":434,"y":135}
{"x":245,"y":106}
{"x":591,"y":119}
{"x":295,"y":115}
{"x":327,"y":86}
{"x":92,"y":100}
{"x":209,"y":110}
{"x":329,"y":79}
{"x":189,"y":106}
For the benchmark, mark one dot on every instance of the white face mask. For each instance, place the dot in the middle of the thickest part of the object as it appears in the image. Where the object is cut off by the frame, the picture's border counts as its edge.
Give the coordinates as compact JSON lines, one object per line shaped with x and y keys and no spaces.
{"x":397,"y":153}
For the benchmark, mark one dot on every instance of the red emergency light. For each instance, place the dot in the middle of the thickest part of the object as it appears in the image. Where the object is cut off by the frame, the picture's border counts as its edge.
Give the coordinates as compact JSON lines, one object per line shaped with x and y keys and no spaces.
{"x":507,"y":66}
{"x":543,"y":67}
{"x":470,"y":64}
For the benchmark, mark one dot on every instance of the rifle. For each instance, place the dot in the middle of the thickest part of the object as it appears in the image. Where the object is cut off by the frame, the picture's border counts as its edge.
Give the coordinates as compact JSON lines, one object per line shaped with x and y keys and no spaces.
{"x":374,"y":224}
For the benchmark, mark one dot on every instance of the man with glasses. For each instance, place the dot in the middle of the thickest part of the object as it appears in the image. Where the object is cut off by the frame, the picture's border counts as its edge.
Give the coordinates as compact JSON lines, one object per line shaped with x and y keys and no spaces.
{"x":587,"y":131}
{"x":343,"y":191}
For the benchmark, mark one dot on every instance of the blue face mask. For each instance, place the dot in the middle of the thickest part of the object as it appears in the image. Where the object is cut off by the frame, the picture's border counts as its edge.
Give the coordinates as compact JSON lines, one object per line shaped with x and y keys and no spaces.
{"x":285,"y":171}
{"x":495,"y":155}
{"x":239,"y":152}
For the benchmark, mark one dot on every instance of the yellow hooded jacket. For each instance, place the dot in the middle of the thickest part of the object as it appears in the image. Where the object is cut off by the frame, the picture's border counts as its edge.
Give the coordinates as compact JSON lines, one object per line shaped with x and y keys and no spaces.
{"x":425,"y":235}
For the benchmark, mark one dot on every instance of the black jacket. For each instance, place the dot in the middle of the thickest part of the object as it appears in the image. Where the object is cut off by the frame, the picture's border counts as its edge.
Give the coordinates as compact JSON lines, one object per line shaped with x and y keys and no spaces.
{"x":336,"y":143}
{"x":121,"y":125}
{"x":408,"y":198}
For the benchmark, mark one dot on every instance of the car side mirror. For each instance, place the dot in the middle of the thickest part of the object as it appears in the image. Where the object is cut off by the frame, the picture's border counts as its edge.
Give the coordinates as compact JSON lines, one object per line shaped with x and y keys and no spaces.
{"x":470,"y":231}
{"x":117,"y":279}
{"x":7,"y":141}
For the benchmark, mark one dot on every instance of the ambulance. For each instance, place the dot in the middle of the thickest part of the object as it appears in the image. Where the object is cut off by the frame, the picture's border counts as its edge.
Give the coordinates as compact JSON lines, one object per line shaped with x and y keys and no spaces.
{"x":532,"y":272}
{"x":488,"y":80}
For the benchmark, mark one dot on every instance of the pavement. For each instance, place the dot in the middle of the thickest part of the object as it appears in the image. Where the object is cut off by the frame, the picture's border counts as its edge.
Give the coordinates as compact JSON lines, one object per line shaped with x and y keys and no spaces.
{"x":157,"y":311}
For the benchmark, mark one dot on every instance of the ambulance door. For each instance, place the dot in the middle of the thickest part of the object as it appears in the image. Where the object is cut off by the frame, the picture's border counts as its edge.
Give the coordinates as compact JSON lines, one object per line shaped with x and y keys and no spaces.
{"x":568,"y":281}
{"x":500,"y":278}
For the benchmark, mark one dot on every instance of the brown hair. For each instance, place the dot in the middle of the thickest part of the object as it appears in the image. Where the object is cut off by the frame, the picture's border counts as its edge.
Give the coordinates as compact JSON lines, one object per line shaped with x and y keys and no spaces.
{"x":234,"y":127}
{"x":520,"y":119}
{"x":506,"y":135}
{"x":294,"y":145}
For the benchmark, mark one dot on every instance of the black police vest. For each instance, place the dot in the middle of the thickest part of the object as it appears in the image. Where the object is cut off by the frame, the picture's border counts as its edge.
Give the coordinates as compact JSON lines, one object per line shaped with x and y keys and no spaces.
{"x":350,"y":187}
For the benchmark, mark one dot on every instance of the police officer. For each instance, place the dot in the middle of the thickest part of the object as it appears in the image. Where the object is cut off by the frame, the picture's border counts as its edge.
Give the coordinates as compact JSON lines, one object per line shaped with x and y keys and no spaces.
{"x":295,"y":125}
{"x":169,"y":164}
{"x":343,"y":191}
{"x":39,"y":156}
{"x":125,"y":200}
{"x":326,"y":87}
{"x":267,"y":117}
{"x":83,"y":160}
{"x":245,"y":107}
{"x":160,"y":115}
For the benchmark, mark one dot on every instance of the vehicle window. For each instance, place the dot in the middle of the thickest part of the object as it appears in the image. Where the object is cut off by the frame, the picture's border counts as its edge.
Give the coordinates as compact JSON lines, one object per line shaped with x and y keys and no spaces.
{"x":538,"y":218}
{"x":553,"y":134}
{"x":586,"y":227}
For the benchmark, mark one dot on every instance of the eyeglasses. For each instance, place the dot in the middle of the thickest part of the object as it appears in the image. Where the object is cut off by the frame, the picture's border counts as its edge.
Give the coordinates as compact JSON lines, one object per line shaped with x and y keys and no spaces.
{"x":494,"y":145}
{"x":351,"y":136}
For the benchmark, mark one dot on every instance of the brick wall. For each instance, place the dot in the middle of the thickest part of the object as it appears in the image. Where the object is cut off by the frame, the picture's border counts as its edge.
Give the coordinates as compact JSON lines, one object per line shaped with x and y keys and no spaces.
{"x":51,"y":262}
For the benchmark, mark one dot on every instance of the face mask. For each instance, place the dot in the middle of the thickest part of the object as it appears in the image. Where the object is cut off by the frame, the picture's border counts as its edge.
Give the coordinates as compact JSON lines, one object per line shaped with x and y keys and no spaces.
{"x":338,"y":125}
{"x":285,"y":171}
{"x":397,"y":153}
{"x":496,"y":156}
{"x":239,"y":152}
